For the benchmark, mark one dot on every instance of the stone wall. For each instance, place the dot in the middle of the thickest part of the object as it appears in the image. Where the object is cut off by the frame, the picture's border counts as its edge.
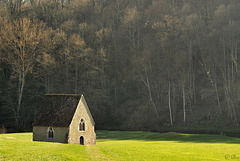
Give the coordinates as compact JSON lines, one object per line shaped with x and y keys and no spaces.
{"x":89,"y":135}
{"x":40,"y":133}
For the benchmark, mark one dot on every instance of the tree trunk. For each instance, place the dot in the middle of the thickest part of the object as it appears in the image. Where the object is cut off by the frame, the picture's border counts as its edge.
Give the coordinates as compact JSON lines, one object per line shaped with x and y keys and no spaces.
{"x":115,"y":101}
{"x":184,"y":105}
{"x":67,"y":78}
{"x":147,"y":83}
{"x":218,"y":100}
{"x":150,"y":93}
{"x":235,"y":116}
{"x":213,"y":82}
{"x":76,"y":78}
{"x":169,"y":102}
{"x":20,"y":94}
{"x":225,"y":85}
{"x":116,"y":79}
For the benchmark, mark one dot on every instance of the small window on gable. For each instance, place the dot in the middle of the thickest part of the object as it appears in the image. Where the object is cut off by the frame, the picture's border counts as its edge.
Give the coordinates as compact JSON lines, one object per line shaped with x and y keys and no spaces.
{"x":50,"y":132}
{"x":82,"y":125}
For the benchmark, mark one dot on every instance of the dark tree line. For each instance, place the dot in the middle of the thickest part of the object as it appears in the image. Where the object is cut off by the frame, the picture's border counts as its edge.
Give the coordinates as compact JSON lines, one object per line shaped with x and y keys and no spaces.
{"x":141,"y":64}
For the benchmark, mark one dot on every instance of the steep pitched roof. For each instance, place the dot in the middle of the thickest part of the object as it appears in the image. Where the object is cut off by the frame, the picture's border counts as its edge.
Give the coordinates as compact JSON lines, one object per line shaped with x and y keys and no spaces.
{"x":88,"y":110}
{"x":57,"y":110}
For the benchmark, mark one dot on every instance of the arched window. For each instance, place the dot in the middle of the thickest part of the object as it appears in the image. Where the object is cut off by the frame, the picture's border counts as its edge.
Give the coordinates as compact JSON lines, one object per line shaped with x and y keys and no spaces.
{"x":50,"y":132}
{"x":82,"y":125}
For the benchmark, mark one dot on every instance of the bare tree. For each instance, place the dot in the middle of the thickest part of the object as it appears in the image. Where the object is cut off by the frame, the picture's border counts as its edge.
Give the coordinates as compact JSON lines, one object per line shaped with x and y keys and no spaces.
{"x":22,"y":43}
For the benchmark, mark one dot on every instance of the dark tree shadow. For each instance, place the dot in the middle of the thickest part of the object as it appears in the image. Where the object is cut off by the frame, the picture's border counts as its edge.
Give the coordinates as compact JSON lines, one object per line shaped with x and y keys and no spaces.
{"x":154,"y":136}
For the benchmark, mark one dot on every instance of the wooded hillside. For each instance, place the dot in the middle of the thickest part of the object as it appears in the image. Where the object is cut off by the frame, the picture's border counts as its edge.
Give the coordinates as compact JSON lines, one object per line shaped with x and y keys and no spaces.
{"x":141,"y":64}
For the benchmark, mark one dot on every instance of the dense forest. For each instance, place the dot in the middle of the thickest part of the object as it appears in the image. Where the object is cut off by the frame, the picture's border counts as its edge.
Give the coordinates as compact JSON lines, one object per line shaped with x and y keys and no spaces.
{"x":141,"y":64}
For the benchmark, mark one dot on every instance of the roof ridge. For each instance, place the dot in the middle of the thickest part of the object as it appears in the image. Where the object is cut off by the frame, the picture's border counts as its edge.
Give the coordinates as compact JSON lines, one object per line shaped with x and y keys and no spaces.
{"x":61,"y":94}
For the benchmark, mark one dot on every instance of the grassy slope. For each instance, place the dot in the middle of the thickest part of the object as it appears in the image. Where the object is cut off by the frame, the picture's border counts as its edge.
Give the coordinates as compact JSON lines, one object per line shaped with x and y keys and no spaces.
{"x":119,"y":145}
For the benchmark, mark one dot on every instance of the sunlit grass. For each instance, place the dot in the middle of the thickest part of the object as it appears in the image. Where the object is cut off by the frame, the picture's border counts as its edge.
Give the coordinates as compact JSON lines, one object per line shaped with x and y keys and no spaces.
{"x":171,"y":146}
{"x":21,"y":147}
{"x":123,"y":145}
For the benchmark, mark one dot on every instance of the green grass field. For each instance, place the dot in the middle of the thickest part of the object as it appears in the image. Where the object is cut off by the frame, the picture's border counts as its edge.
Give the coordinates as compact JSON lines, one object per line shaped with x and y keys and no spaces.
{"x":123,"y":145}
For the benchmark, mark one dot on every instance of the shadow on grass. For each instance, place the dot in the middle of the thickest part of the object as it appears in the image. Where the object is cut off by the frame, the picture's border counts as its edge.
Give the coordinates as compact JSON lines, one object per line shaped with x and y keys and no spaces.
{"x":154,"y":136}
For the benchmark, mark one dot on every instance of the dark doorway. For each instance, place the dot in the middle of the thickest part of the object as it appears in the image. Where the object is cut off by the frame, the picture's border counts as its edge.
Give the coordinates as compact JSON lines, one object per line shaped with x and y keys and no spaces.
{"x":81,"y":140}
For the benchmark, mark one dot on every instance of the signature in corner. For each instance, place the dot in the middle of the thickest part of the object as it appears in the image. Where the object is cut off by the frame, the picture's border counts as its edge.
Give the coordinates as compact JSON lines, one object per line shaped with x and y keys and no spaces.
{"x":232,"y":156}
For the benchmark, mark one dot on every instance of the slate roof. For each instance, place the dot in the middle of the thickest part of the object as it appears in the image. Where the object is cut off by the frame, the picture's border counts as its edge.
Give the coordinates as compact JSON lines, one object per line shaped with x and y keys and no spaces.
{"x":57,"y":110}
